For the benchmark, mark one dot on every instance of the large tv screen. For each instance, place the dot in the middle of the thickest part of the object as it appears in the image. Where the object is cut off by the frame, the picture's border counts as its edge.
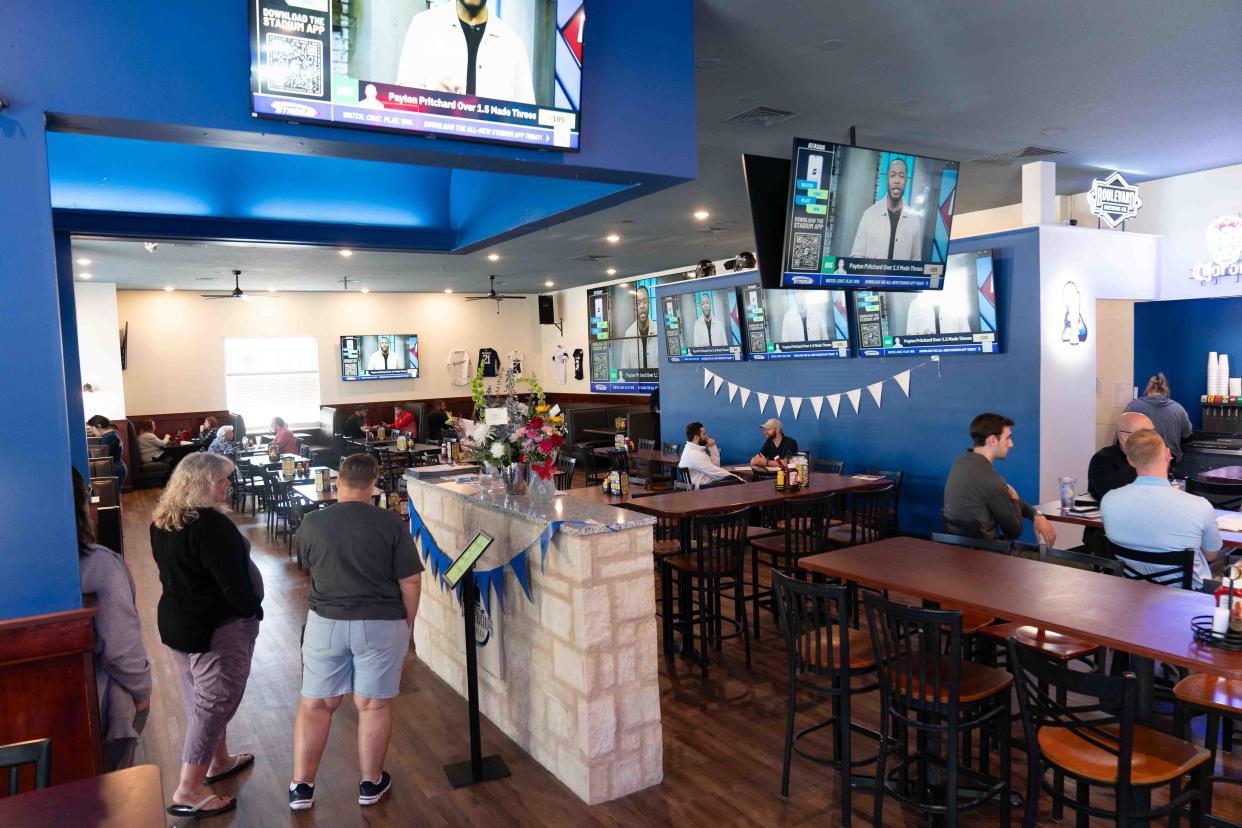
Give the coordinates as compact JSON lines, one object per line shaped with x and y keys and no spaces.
{"x":960,"y":318}
{"x":379,"y":356}
{"x":702,"y":326}
{"x":866,"y":218}
{"x":624,"y":341}
{"x":796,"y":324}
{"x":503,"y":71}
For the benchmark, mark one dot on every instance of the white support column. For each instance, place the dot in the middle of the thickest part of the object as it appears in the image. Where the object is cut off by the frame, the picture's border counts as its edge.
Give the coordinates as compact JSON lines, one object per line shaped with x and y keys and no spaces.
{"x":1039,"y":193}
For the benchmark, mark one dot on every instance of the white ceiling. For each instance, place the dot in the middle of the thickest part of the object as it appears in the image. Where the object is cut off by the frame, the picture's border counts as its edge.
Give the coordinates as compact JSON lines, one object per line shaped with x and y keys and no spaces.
{"x":1144,"y":86}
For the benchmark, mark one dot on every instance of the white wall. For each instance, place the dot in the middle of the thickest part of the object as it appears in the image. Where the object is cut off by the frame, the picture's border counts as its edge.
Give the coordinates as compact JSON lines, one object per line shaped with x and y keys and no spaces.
{"x":99,"y":349}
{"x":983,"y":222}
{"x":176,"y":341}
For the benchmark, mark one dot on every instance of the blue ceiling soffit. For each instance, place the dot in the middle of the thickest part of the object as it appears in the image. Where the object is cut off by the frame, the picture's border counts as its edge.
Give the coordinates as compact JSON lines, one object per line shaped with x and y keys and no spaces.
{"x":122,"y":186}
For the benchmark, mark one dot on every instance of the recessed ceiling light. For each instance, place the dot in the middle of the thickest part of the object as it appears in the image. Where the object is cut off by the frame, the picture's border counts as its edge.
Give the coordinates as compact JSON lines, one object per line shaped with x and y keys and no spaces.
{"x":271,"y":290}
{"x":86,"y":275}
{"x":624,"y":284}
{"x":347,"y":253}
{"x":613,"y":238}
{"x":832,"y":45}
{"x":169,"y":288}
{"x":83,"y":261}
{"x":549,"y":283}
{"x":366,"y":290}
{"x":702,"y":214}
{"x":707,"y":62}
{"x":493,"y":257}
{"x":612,"y":271}
{"x":1053,"y":130}
{"x":448,"y":290}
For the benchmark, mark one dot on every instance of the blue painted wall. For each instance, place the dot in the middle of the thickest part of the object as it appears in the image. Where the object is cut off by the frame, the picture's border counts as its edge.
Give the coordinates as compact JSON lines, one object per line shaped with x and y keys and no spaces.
{"x":1176,"y":337}
{"x":921,"y":434}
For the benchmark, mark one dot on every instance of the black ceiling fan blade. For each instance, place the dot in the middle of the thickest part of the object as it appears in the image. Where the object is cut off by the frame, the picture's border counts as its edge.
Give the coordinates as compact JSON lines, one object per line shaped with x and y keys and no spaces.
{"x":522,"y":296}
{"x":216,"y":295}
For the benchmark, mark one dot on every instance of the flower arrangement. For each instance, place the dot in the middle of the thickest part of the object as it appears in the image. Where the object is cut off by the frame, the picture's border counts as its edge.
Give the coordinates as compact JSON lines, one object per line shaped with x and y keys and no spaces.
{"x":533,"y":434}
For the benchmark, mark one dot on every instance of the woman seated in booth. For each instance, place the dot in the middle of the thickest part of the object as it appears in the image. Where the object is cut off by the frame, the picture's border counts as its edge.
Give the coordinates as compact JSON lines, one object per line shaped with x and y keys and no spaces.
{"x":102,"y":428}
{"x":150,"y":446}
{"x":404,"y":419}
{"x":207,"y":432}
{"x":285,"y":440}
{"x":223,"y":444}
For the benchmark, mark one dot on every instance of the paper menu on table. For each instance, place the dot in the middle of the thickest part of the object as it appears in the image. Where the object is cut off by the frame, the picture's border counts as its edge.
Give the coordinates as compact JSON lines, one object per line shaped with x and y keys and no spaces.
{"x":1230,"y":523}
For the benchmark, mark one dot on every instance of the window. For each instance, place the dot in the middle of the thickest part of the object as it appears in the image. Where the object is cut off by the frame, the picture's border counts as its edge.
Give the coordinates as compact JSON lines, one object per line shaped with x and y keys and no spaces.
{"x":276,"y":376}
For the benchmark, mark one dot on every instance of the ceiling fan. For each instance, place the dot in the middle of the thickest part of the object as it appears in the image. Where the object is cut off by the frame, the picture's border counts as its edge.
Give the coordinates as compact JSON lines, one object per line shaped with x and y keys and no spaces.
{"x":237,"y":293}
{"x":493,"y":295}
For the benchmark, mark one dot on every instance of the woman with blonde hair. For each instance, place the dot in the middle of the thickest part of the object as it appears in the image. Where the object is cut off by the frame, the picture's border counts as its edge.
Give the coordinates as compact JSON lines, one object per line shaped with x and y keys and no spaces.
{"x":208,"y":616}
{"x":1167,"y":415}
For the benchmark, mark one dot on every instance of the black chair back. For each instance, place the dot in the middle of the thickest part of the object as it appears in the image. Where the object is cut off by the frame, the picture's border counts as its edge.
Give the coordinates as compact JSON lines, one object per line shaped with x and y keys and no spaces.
{"x":1221,"y":495}
{"x":1079,"y":560}
{"x":808,"y":614}
{"x":671,"y":448}
{"x":1003,"y":547}
{"x":919,"y":653}
{"x":97,"y":451}
{"x":619,"y":460}
{"x":720,"y":543}
{"x":1175,"y":568}
{"x":37,"y":752}
{"x":645,"y":443}
{"x":1098,"y":708}
{"x":105,"y":489}
{"x":683,"y":478}
{"x":871,"y":515}
{"x":100,"y":466}
{"x":897,"y":476}
{"x":829,"y":466}
{"x":805,"y":521}
{"x":564,"y":474}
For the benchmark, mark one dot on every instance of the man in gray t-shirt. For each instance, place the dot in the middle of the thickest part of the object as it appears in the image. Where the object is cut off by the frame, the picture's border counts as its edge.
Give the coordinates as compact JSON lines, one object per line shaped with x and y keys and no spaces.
{"x":365,"y":585}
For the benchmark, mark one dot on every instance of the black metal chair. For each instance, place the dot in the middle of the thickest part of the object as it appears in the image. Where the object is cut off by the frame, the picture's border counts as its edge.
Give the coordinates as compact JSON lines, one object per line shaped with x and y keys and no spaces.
{"x":563,"y":477}
{"x":37,"y":752}
{"x":829,"y":466}
{"x":671,"y":448}
{"x":803,"y":531}
{"x":926,"y":686}
{"x":1174,"y":568}
{"x":869,"y":519}
{"x":1093,"y":739}
{"x":590,"y":465}
{"x":898,"y":477}
{"x":709,"y":572}
{"x":683,"y":478}
{"x":825,"y":655}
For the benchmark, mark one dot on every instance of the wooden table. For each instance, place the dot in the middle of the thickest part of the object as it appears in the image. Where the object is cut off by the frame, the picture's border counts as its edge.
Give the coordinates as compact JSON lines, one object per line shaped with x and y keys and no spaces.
{"x":260,"y":459}
{"x":605,"y":432}
{"x":1225,"y":474}
{"x":1052,"y":510}
{"x":281,"y":478}
{"x":307,"y":492}
{"x":662,"y":458}
{"x":131,"y":798}
{"x":596,"y":494}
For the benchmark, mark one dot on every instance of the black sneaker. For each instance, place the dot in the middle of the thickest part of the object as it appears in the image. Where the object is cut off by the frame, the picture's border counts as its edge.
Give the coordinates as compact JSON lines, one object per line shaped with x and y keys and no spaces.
{"x":371,"y":792}
{"x":301,"y":796}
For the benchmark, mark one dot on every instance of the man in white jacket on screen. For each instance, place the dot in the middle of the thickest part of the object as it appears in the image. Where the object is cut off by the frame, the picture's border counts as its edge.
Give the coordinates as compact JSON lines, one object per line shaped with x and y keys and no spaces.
{"x":802,"y":323}
{"x":889,"y":229}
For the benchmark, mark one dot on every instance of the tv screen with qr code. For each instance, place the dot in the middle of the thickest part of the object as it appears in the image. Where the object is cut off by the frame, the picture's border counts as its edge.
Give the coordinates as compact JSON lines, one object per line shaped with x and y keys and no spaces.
{"x":866,"y":218}
{"x":500,"y":71}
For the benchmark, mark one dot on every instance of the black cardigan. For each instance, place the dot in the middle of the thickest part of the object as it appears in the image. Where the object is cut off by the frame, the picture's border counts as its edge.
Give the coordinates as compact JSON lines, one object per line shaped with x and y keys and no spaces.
{"x":205,"y":573}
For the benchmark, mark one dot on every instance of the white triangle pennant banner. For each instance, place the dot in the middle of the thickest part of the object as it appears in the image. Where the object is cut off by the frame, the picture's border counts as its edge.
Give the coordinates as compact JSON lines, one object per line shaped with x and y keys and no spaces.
{"x":763,"y":401}
{"x":876,"y":389}
{"x":745,"y":396}
{"x":780,"y":404}
{"x":795,"y":405}
{"x":717,"y":380}
{"x":732,"y":390}
{"x":707,"y":377}
{"x":855,"y":397}
{"x":834,"y":402}
{"x":903,"y":381}
{"x":817,"y":403}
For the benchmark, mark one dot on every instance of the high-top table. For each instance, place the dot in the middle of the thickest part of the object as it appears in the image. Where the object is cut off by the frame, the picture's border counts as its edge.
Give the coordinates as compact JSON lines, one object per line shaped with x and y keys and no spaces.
{"x":130,"y":798}
{"x":1224,"y":474}
{"x":1053,"y":511}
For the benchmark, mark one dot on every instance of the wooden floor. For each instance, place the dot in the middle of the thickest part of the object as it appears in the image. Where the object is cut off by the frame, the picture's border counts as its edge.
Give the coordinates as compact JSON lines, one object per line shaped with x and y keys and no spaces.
{"x":722,"y":738}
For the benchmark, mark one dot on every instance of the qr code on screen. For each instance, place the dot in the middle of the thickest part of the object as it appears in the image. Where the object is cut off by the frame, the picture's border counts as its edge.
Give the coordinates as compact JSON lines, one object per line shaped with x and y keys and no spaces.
{"x":870,"y":336}
{"x":806,"y":251}
{"x":294,"y":64}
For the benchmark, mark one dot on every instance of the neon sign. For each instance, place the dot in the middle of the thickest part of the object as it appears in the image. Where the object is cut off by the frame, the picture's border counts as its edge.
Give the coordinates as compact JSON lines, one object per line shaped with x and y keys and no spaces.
{"x":1224,"y":238}
{"x":1114,"y":200}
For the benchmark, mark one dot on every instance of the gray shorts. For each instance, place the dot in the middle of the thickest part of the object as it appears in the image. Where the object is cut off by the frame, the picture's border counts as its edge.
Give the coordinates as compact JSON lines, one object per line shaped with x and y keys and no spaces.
{"x":363,"y":657}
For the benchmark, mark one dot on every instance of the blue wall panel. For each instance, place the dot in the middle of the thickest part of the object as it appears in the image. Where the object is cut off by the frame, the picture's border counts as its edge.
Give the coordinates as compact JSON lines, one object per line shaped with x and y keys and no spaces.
{"x":921,"y":434}
{"x":1176,"y":337}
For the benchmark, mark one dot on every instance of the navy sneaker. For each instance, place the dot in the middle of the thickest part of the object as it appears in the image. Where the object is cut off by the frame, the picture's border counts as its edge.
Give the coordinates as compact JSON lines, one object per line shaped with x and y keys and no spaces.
{"x":301,"y":796}
{"x":371,"y":792}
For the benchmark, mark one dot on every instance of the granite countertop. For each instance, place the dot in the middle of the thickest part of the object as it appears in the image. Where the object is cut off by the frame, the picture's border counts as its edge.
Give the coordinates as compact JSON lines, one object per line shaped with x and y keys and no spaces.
{"x":597,"y":517}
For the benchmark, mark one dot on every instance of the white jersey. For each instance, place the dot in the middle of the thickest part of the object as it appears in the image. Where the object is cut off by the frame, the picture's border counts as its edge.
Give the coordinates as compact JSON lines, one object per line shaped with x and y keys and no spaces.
{"x":459,"y":367}
{"x":560,"y":364}
{"x":514,"y":358}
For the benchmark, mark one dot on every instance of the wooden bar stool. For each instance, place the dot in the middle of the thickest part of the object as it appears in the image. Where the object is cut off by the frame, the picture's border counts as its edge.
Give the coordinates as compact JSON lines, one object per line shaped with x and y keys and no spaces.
{"x":803,"y":531}
{"x":1220,"y":699}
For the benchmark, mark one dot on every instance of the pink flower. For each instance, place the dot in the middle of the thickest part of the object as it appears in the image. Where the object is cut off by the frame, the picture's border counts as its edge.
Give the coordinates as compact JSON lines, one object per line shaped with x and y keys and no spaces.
{"x":546,"y":446}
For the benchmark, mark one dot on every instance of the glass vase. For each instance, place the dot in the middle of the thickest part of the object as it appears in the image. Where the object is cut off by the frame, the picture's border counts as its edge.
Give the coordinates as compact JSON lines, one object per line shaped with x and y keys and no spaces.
{"x":489,"y":478}
{"x":514,"y":477}
{"x":541,"y":489}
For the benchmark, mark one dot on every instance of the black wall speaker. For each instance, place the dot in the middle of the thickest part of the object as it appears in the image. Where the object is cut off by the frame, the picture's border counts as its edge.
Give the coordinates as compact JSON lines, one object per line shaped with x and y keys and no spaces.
{"x":547,"y":310}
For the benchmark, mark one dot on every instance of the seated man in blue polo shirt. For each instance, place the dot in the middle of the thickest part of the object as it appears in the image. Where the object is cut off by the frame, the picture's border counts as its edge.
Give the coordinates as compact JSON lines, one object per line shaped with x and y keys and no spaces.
{"x":1149,"y":515}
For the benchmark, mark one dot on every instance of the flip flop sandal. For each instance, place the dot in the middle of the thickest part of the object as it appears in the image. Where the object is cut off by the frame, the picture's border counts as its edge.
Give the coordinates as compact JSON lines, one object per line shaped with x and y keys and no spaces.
{"x":197,"y":811}
{"x":236,"y":769}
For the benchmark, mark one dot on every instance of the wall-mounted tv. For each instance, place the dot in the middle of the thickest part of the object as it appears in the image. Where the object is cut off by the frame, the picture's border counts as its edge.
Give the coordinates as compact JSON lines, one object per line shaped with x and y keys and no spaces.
{"x":959,"y":318}
{"x":702,"y":326}
{"x":624,"y":345}
{"x":796,"y":324}
{"x":379,"y":357}
{"x":506,"y":71}
{"x":866,"y":218}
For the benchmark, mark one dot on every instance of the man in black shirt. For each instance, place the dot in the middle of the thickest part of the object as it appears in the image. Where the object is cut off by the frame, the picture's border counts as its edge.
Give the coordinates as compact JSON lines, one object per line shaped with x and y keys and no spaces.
{"x":437,"y":419}
{"x":354,"y":425}
{"x":775,"y":445}
{"x":1109,"y":468}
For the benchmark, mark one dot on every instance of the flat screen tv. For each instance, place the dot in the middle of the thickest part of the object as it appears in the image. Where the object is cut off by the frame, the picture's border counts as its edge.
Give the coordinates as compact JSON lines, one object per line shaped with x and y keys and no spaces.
{"x":701,"y":326}
{"x":796,"y":324}
{"x":406,"y":66}
{"x":866,"y":218}
{"x":623,"y":337}
{"x":958,"y":319}
{"x":379,"y":357}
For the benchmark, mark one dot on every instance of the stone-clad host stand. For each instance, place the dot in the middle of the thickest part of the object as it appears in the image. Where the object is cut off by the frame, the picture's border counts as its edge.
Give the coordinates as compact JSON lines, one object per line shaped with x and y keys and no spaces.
{"x":580,"y":692}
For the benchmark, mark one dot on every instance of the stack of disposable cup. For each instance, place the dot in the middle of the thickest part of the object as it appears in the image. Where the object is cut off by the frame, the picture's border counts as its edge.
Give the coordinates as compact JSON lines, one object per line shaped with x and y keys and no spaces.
{"x":1211,"y":374}
{"x":1222,"y":374}
{"x":1235,"y":386}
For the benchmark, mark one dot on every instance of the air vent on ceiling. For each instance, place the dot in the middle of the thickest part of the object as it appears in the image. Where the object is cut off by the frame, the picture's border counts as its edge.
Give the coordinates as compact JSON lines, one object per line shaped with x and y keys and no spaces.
{"x":591,"y":257}
{"x":1005,"y":159}
{"x":206,"y":278}
{"x":761,"y":116}
{"x":189,"y":244}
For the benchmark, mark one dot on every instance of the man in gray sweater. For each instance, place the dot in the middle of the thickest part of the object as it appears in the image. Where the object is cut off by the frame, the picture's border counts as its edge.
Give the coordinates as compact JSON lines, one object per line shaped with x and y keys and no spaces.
{"x":977,"y":500}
